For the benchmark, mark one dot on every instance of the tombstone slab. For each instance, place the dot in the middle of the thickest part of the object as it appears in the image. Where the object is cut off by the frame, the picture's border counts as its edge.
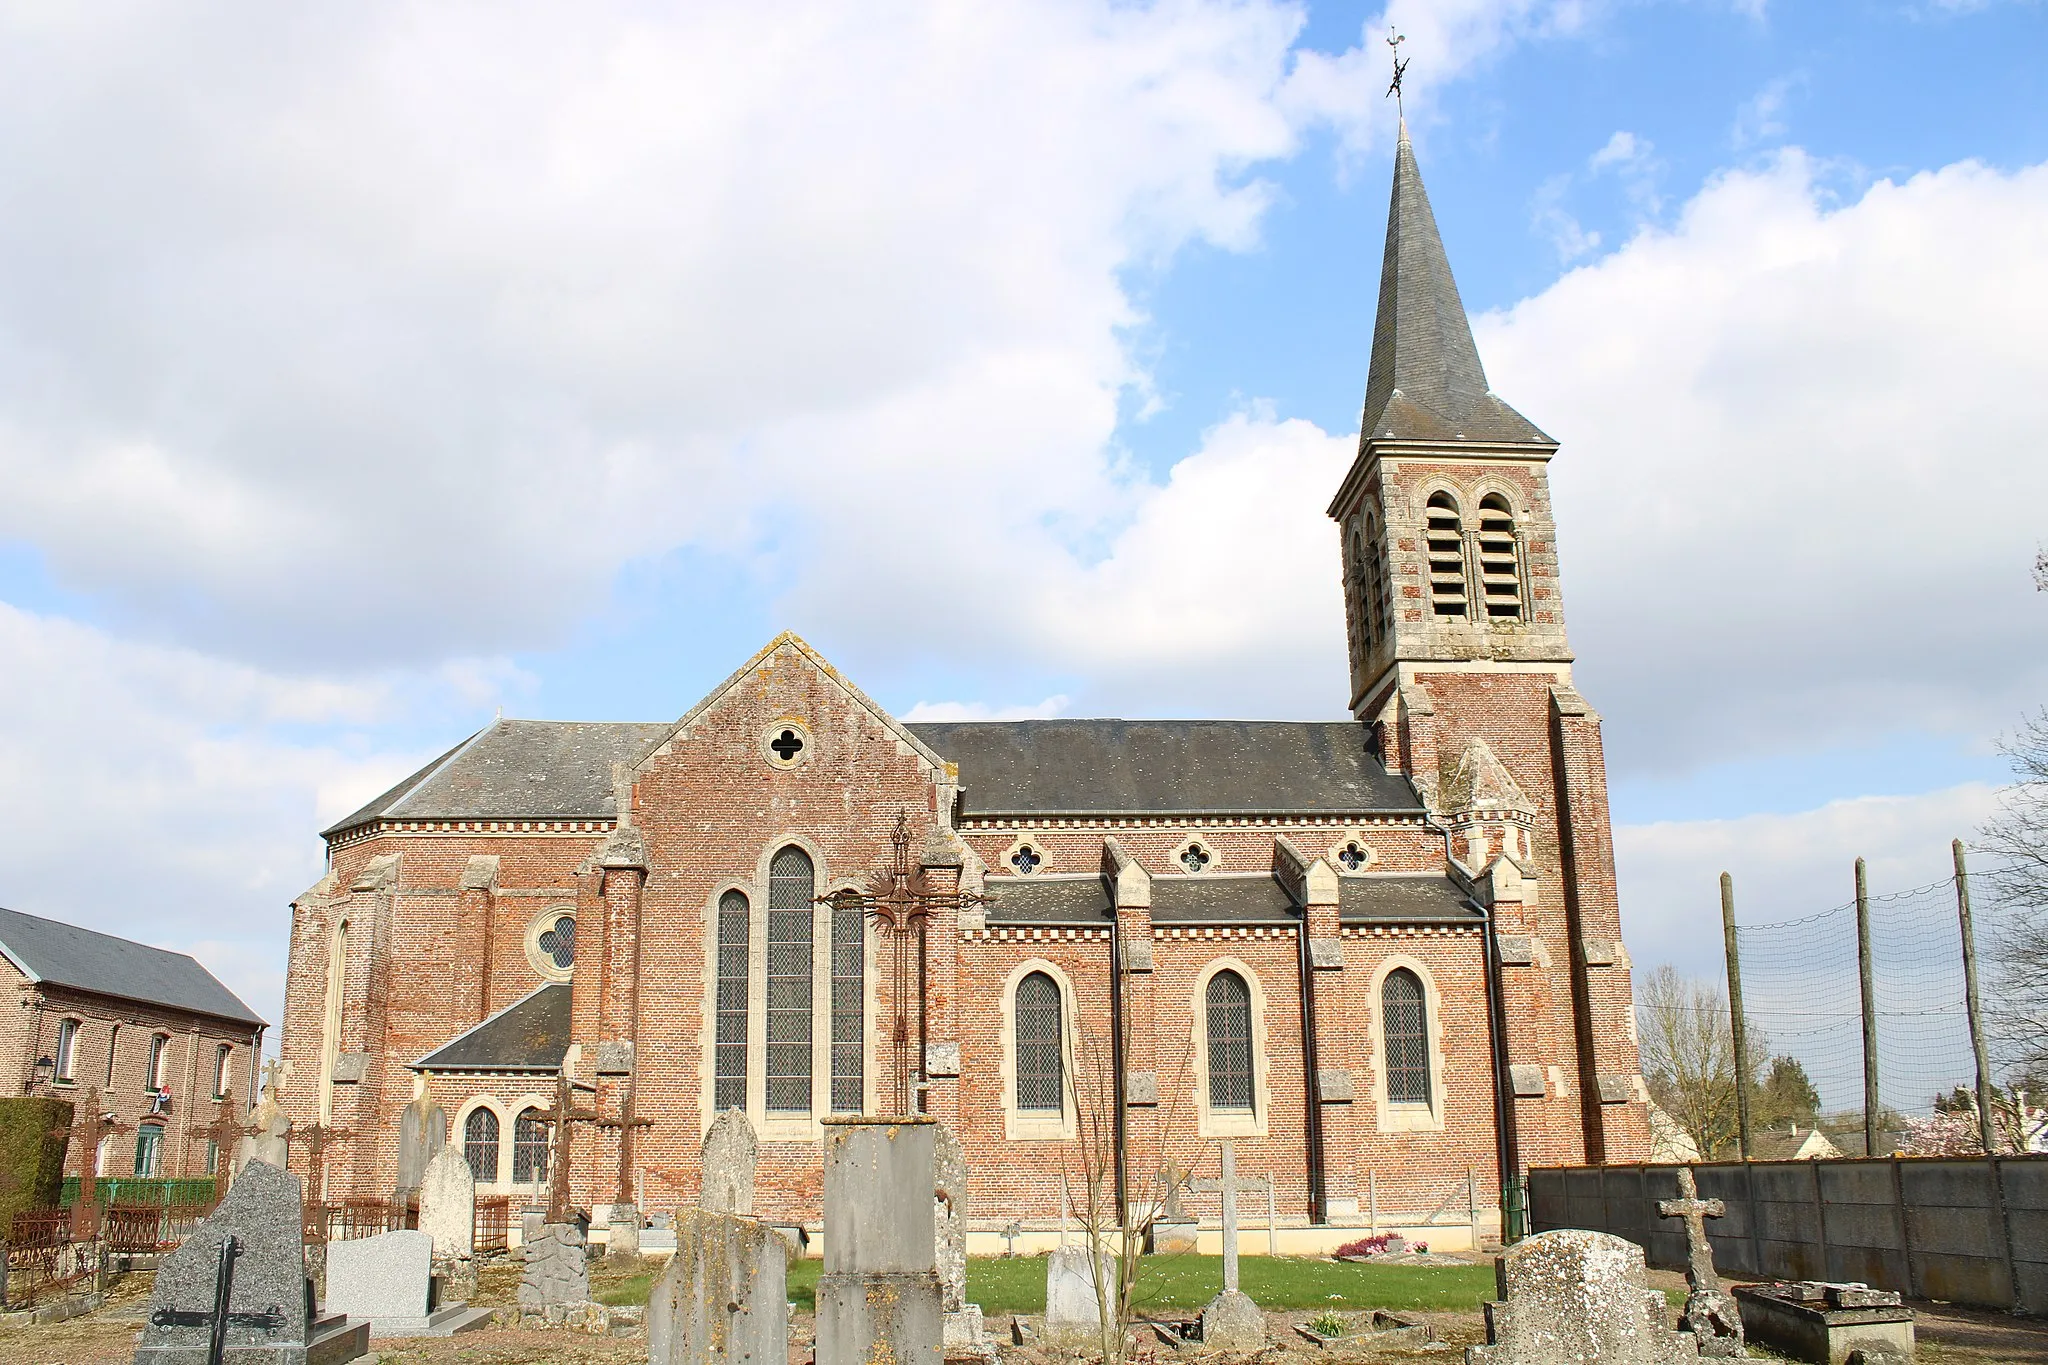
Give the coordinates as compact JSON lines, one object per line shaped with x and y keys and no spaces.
{"x":723,"y":1297}
{"x":1573,"y":1297}
{"x":422,"y":1134}
{"x":728,"y":1160}
{"x":387,"y":1281}
{"x":1073,"y":1312}
{"x":269,"y":1322}
{"x":1819,"y":1321}
{"x":878,"y":1297}
{"x":448,"y":1205}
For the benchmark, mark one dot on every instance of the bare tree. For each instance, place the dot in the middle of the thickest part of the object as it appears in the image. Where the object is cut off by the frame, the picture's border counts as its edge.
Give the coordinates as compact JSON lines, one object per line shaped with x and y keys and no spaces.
{"x":2016,"y":840}
{"x":1688,"y":1055}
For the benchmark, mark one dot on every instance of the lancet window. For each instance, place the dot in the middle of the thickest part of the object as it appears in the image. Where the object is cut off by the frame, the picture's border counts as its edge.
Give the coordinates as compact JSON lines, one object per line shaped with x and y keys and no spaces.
{"x":1041,"y":1077}
{"x":1229,"y":1003}
{"x":792,"y":886}
{"x":1404,"y":1035}
{"x":735,"y":931}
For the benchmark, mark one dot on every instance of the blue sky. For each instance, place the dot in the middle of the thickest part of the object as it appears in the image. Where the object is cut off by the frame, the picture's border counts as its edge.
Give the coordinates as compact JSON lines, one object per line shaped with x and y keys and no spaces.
{"x":352,"y":395}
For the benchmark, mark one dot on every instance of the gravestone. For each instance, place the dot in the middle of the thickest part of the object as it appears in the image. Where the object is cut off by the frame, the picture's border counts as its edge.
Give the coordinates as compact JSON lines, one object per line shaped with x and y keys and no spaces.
{"x":1573,"y":1297}
{"x":723,"y":1297}
{"x":422,"y":1132}
{"x":727,"y":1163}
{"x":1231,"y":1322}
{"x":878,"y":1298}
{"x":1710,"y":1315}
{"x":448,"y":1216}
{"x":387,"y":1281}
{"x":556,"y":1273}
{"x":1073,"y":1311}
{"x":1821,"y":1321}
{"x":268,"y":1299}
{"x":964,"y":1334}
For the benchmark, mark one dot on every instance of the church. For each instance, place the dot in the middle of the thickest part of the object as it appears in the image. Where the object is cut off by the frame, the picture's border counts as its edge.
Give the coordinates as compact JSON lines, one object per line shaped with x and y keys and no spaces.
{"x":1382,"y":955}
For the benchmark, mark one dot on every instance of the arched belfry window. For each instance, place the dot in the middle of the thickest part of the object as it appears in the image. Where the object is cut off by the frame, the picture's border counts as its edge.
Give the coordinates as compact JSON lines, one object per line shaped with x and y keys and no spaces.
{"x":1361,"y":591}
{"x":1445,"y":535}
{"x":1229,"y":1004}
{"x":1404,"y":1033}
{"x":735,"y":930}
{"x":1373,"y":606}
{"x":1500,"y":570}
{"x":1041,"y":1074}
{"x":792,"y":886}
{"x":480,"y":1144}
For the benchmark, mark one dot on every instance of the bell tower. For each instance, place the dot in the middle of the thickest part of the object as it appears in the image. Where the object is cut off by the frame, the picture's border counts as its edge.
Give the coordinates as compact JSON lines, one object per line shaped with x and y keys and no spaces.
{"x":1460,"y":666}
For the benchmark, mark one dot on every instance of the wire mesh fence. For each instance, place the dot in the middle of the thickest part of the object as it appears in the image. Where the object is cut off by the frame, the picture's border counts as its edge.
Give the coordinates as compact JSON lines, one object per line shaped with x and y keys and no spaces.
{"x":1803,"y":999}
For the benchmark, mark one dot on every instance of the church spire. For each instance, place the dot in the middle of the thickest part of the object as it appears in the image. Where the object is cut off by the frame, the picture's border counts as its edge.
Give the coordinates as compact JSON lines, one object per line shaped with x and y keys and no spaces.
{"x":1426,"y":382}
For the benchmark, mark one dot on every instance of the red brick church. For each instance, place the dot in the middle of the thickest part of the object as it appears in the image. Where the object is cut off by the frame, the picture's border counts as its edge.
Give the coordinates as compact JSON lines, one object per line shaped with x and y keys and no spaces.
{"x":1383,"y":954}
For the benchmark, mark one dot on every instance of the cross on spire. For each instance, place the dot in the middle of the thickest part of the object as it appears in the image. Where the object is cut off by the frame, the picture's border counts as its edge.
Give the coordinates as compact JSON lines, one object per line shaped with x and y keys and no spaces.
{"x":1394,"y":41}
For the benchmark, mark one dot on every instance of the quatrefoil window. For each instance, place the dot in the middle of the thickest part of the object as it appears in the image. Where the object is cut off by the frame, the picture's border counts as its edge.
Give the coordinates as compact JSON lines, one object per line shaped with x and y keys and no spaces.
{"x":787,"y":745}
{"x":1026,"y":860}
{"x":1194,"y":858}
{"x":558,"y":941}
{"x":1353,"y":857}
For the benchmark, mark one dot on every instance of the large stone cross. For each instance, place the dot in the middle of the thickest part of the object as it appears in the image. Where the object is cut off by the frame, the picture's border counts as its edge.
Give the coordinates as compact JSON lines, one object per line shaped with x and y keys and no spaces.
{"x":1699,"y":1270}
{"x":1229,"y":1186}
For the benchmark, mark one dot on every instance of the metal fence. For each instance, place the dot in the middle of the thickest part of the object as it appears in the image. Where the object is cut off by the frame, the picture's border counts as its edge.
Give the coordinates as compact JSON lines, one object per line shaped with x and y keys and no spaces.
{"x":491,"y":1228}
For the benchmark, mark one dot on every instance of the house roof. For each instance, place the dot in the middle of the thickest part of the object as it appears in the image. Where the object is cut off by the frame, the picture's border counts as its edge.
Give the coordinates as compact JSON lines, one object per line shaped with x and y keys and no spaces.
{"x":518,"y":769}
{"x":1425,"y":382}
{"x":530,"y":1034}
{"x":59,"y":954}
{"x":1125,"y":767}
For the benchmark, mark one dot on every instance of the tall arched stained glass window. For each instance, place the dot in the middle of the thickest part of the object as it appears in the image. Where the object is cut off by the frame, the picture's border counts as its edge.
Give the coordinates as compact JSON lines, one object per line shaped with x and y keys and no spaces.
{"x":480,"y":1145}
{"x":735,"y":927}
{"x":849,"y":972}
{"x":1230,"y":1042}
{"x":1404,"y":1032}
{"x":529,"y":1148}
{"x":792,"y":885}
{"x":1040,"y":1068}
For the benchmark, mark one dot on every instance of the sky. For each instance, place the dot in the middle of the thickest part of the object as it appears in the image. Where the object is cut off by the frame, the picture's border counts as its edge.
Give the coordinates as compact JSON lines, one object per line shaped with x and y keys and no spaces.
{"x":367,"y":371}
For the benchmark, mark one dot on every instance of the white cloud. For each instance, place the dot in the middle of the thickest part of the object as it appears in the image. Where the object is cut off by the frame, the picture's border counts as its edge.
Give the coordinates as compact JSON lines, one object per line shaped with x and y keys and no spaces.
{"x":1798,"y":486}
{"x":164,"y":796}
{"x":974,"y":710}
{"x":1762,"y":117}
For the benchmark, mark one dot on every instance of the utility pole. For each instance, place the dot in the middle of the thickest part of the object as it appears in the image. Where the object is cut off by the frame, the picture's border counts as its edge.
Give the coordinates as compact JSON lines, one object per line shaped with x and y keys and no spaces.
{"x":1738,"y":1027}
{"x":1869,"y":984}
{"x":1974,"y":1003}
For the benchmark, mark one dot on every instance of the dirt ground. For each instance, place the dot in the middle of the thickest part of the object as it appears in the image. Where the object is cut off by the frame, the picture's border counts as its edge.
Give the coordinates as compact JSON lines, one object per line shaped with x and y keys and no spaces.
{"x":1948,"y":1336}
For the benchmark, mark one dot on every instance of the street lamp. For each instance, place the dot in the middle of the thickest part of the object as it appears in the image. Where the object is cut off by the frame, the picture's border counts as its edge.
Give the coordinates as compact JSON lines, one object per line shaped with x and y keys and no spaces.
{"x":43,"y":1069}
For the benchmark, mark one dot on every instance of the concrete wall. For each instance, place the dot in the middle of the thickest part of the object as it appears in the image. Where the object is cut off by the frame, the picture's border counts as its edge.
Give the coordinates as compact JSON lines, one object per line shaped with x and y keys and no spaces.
{"x":1968,"y":1230}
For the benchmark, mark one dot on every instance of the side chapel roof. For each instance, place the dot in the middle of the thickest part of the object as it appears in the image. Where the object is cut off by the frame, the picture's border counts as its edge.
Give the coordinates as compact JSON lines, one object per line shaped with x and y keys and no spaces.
{"x":530,"y":1034}
{"x":1425,"y":382}
{"x":48,"y":950}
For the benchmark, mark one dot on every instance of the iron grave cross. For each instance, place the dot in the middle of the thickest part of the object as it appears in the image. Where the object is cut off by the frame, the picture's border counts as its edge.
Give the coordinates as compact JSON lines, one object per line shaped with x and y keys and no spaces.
{"x":899,"y":899}
{"x":564,"y":1116}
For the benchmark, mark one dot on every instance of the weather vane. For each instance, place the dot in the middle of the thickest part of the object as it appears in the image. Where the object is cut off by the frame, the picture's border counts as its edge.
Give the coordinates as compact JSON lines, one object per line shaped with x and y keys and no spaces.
{"x":1394,"y":41}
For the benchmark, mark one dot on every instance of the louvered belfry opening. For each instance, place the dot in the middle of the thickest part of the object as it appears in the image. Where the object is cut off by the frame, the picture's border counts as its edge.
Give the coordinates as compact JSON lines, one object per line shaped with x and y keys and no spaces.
{"x":1040,"y":1068}
{"x":1373,"y":604}
{"x":792,"y":885}
{"x":1229,"y":1003}
{"x":1445,"y":536}
{"x":735,"y":928}
{"x":849,"y":972}
{"x":1500,"y":572}
{"x":1403,"y":1030}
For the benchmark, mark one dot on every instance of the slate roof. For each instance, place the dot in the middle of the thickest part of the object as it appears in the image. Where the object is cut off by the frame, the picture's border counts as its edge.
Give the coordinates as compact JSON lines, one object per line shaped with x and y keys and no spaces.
{"x":1048,"y":900}
{"x":1216,"y":899}
{"x":1425,"y":899}
{"x":1212,"y":767}
{"x":530,"y":1034}
{"x":61,"y":954}
{"x":518,"y":769}
{"x":1425,"y":382}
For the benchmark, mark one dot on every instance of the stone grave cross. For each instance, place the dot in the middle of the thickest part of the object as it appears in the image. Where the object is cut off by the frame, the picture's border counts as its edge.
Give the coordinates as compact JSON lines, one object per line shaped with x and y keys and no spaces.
{"x":564,"y":1116}
{"x":1230,"y":1186}
{"x":1710,"y":1315}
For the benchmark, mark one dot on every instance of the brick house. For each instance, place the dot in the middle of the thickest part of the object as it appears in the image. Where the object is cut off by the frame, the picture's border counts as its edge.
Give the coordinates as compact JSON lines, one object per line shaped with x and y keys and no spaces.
{"x":151,"y":1033}
{"x":1382,"y":954}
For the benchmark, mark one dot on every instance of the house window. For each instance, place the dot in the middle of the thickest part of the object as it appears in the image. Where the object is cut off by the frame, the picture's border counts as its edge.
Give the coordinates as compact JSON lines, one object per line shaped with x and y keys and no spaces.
{"x":113,"y":1048}
{"x":149,"y":1147}
{"x":223,"y":1057}
{"x":1444,"y":534}
{"x":159,"y":1056}
{"x":212,"y":1157}
{"x":480,"y":1144}
{"x":529,"y":1148}
{"x":1041,"y":1076}
{"x":1403,"y":1034}
{"x":1229,"y":1003}
{"x":1500,"y":573}
{"x":67,"y":1049}
{"x":735,"y":930}
{"x":849,"y":967}
{"x":791,"y":890}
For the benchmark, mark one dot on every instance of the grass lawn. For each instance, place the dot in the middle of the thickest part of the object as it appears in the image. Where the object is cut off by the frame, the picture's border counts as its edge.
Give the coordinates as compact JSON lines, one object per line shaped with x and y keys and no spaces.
{"x":1168,"y":1283}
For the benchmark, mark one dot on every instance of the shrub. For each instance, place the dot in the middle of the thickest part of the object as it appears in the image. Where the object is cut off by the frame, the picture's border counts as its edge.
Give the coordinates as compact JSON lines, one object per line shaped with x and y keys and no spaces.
{"x":31,"y":1153}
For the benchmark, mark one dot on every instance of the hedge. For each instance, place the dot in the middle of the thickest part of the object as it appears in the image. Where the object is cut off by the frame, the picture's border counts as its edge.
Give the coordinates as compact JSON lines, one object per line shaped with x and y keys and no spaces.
{"x":33,"y":1133}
